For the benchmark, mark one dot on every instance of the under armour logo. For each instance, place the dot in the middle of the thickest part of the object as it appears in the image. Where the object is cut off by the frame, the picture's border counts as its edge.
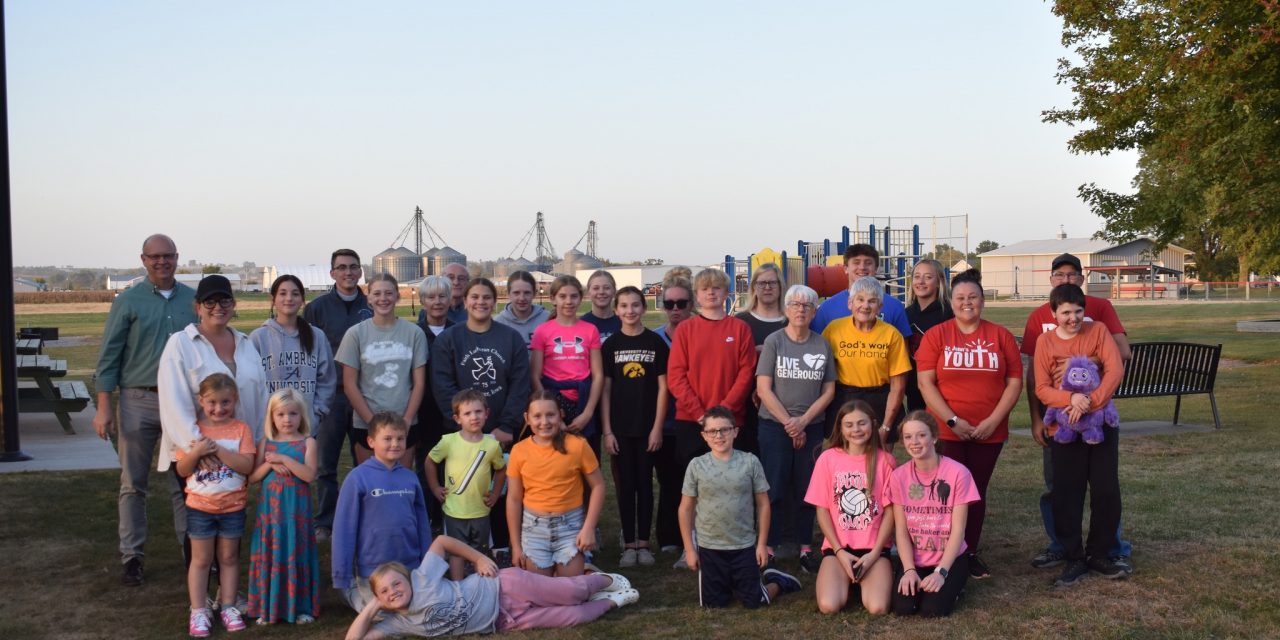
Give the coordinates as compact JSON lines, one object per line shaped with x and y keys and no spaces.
{"x":559,"y":348}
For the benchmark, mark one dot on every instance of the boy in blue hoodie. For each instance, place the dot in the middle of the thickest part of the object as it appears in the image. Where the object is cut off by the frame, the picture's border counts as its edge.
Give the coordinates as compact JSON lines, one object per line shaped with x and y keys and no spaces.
{"x":382,"y":513}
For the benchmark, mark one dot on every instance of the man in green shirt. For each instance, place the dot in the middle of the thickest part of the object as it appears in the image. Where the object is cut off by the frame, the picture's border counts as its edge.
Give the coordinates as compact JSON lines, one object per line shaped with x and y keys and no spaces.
{"x":140,"y":323}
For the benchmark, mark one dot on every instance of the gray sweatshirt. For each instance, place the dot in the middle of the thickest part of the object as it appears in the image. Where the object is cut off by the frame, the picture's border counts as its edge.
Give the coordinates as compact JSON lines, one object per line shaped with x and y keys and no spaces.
{"x":287,"y":365}
{"x":524,"y":327}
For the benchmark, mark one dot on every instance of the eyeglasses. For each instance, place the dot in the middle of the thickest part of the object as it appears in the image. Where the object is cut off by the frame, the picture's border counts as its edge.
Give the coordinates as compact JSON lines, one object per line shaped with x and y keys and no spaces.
{"x":353,"y":268}
{"x":225,"y":303}
{"x":719,"y":433}
{"x":675,"y":304}
{"x":767,"y":284}
{"x":1065,"y":275}
{"x":796,"y":304}
{"x":157,"y":257}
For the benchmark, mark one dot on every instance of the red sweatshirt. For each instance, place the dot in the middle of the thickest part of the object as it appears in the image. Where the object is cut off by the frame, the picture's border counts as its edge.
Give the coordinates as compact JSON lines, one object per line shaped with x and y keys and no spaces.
{"x":713,"y":362}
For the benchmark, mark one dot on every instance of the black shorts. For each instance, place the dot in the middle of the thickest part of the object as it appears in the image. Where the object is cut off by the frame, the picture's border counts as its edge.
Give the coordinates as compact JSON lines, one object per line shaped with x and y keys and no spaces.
{"x":725,"y":574}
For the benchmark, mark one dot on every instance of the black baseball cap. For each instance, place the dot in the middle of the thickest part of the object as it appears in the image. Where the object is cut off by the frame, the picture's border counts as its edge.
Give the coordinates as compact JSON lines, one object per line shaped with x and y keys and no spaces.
{"x":1067,"y":258}
{"x":213,"y":285}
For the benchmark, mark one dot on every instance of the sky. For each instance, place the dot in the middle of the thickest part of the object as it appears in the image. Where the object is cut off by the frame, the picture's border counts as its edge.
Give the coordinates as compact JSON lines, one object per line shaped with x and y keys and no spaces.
{"x":276,"y":132}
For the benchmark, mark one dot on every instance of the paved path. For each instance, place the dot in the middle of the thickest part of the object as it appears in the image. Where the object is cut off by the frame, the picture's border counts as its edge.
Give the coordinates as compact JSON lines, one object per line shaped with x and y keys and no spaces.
{"x":52,"y":450}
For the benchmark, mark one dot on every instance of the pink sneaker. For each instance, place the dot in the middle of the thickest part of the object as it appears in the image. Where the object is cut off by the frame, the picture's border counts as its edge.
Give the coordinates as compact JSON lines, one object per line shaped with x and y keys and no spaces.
{"x":231,"y":619}
{"x":198,"y":624}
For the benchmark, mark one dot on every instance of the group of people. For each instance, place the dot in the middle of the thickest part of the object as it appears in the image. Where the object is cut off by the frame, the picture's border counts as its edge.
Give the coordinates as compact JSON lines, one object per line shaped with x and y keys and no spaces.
{"x":477,"y":439}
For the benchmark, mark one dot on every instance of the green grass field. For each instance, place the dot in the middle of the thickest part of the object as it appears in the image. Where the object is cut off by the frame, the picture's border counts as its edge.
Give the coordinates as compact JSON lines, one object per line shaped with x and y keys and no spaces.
{"x":1199,"y":508}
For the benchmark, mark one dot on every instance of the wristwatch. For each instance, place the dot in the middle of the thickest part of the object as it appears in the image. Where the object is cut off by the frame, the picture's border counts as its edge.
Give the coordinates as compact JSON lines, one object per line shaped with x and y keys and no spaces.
{"x":943,"y":572}
{"x":951,"y":423}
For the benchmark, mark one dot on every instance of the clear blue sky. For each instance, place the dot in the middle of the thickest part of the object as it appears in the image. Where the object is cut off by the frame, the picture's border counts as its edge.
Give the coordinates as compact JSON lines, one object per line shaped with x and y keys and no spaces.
{"x":277,"y":131}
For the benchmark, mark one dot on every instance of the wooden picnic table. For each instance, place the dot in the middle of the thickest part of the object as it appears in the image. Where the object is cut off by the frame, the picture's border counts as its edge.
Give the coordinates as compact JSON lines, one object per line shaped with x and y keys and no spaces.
{"x":47,"y":396}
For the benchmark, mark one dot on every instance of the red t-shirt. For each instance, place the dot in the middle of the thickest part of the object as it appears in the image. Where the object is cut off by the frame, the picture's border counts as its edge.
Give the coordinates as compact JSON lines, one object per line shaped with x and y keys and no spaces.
{"x":1041,"y":320}
{"x":971,"y":370}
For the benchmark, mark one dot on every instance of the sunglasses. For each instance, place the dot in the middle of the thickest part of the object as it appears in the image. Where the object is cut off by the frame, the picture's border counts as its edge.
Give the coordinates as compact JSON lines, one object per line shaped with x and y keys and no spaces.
{"x":675,"y":304}
{"x":210,"y":303}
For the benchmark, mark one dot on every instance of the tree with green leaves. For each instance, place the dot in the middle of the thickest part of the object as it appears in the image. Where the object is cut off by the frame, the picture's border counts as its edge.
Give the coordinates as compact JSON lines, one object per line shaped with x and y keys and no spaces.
{"x":1194,"y":87}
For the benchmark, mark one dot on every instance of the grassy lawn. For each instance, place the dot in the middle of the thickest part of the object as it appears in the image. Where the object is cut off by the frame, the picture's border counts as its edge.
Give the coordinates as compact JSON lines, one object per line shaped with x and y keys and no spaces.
{"x":1199,"y":509}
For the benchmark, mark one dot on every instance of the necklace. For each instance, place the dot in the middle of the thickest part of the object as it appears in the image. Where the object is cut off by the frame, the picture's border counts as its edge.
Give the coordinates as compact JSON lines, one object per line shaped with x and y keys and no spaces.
{"x":917,"y":489}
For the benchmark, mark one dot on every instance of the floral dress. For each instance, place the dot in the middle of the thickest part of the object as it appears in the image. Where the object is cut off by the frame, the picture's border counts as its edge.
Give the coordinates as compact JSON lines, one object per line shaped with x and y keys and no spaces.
{"x":284,"y":565}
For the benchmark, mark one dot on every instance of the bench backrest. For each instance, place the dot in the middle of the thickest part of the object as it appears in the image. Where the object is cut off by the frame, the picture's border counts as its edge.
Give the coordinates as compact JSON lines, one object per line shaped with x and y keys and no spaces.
{"x":1169,"y":368}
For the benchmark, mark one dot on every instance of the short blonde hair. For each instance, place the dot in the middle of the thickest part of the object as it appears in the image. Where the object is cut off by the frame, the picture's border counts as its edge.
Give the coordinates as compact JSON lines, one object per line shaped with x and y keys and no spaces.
{"x":710,"y":277}
{"x":383,"y":569}
{"x":287,"y":396}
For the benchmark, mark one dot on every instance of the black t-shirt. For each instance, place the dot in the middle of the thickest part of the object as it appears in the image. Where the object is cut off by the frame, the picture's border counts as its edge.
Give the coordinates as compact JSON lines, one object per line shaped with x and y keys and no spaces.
{"x":633,"y":363}
{"x":923,"y":320}
{"x":760,"y":329}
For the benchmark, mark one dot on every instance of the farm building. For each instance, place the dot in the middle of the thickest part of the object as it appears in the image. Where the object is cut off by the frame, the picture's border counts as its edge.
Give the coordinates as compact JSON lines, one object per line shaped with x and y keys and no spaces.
{"x":1126,"y":270}
{"x":634,"y":275}
{"x":314,"y":277}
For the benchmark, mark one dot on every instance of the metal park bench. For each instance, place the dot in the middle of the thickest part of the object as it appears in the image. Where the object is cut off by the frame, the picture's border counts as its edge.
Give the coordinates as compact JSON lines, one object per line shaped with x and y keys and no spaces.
{"x":1172,"y":369}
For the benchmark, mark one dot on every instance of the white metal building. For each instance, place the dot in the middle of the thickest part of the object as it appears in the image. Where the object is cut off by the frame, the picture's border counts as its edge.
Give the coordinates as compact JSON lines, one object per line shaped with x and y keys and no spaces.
{"x":1112,"y":270}
{"x":314,"y":277}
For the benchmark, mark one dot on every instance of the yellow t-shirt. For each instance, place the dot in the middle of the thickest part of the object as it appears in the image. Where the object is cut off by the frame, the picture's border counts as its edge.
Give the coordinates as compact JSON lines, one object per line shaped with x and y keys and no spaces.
{"x":866,"y":359}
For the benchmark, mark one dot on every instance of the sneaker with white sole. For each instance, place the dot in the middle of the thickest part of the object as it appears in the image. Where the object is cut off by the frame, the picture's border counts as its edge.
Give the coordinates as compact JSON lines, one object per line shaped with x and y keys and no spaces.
{"x":786,"y":582}
{"x":620,"y":598}
{"x":231,"y":619}
{"x":644,"y":556}
{"x":304,"y":619}
{"x":1048,"y":558}
{"x":680,"y":563}
{"x":628,"y":559}
{"x":198,"y":625}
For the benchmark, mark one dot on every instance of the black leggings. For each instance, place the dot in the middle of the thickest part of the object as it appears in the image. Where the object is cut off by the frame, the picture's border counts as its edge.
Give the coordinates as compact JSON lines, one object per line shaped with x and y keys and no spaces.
{"x":633,"y":477}
{"x":670,"y":472}
{"x":931,"y":605}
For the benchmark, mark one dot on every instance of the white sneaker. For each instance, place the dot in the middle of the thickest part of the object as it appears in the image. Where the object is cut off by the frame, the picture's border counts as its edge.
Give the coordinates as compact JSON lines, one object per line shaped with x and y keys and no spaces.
{"x":628,"y":558}
{"x":620,"y":598}
{"x":680,"y":563}
{"x":644,"y":556}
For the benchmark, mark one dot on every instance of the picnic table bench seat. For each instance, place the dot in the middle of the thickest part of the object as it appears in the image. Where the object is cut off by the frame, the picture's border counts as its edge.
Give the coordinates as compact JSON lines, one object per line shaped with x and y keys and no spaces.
{"x":1160,"y":369}
{"x":61,"y":398}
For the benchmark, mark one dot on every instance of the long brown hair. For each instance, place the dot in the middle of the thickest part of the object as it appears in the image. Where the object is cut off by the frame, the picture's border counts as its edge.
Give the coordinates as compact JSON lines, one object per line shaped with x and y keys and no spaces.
{"x":871,"y":452}
{"x":557,"y":441}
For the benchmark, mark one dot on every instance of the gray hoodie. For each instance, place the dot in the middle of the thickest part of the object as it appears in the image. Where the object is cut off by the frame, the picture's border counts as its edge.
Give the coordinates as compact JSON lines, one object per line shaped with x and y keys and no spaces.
{"x":287,"y":365}
{"x":524,"y":327}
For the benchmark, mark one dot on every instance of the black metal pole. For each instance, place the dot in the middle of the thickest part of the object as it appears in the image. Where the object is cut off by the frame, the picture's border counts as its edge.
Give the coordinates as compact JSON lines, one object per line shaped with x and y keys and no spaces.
{"x":8,"y":325}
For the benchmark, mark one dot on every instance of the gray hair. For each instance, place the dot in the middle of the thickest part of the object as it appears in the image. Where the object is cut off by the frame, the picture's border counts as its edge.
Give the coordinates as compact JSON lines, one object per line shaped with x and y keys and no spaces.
{"x":801,"y":293}
{"x":439,"y":285}
{"x":868,"y":286}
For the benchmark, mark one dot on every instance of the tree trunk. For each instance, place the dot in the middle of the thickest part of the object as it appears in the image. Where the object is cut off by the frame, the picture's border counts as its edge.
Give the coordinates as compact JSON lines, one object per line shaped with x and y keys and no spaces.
{"x":1243,"y":259}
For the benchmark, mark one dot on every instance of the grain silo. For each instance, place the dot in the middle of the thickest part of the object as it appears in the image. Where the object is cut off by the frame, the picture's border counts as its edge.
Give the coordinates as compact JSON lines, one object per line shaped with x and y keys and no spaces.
{"x":446,"y":257}
{"x":400,"y":262}
{"x":428,"y":262}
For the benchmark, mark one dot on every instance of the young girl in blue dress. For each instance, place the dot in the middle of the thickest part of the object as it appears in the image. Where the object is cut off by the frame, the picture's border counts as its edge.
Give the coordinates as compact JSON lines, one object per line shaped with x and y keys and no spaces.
{"x":284,"y":566}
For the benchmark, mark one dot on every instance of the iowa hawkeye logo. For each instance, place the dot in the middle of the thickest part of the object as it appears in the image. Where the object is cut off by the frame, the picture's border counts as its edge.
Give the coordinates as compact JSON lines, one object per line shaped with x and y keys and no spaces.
{"x":633,"y":370}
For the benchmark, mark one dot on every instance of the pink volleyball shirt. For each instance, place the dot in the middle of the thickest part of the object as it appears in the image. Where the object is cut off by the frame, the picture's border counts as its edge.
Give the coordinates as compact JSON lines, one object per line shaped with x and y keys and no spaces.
{"x":839,"y":485}
{"x":927,"y":501}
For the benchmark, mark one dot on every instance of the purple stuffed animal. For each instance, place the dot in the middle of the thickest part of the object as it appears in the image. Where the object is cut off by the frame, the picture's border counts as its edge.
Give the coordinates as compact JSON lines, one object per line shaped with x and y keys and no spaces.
{"x":1082,"y":376}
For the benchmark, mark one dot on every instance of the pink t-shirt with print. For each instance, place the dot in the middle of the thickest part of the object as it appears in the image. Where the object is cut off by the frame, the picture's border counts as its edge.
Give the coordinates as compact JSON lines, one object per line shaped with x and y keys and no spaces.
{"x":927,"y":500}
{"x":566,"y":351}
{"x":839,"y":485}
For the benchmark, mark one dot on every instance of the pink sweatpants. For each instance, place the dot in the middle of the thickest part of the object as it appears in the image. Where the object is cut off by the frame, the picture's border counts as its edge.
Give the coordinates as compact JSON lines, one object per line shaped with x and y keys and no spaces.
{"x":531,"y":601}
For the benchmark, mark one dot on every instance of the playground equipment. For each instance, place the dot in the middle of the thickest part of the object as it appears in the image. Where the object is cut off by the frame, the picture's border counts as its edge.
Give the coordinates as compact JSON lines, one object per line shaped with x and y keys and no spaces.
{"x":901,"y":242}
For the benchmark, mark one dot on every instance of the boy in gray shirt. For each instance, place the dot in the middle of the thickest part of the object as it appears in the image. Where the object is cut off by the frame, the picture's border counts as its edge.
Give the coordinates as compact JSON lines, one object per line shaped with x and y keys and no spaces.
{"x":723,"y":489}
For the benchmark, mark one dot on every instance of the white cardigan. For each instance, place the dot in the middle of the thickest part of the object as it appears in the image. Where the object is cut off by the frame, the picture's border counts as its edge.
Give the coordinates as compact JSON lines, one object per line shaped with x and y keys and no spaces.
{"x":188,"y":359}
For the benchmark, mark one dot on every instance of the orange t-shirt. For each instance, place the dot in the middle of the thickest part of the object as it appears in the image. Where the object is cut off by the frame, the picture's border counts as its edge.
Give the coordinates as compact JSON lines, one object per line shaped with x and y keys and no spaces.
{"x":552,"y":480}
{"x":1052,"y":354}
{"x":223,"y":490}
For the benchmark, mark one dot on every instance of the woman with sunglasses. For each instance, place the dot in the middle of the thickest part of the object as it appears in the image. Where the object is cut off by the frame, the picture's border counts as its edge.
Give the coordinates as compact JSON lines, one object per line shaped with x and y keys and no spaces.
{"x":205,"y":347}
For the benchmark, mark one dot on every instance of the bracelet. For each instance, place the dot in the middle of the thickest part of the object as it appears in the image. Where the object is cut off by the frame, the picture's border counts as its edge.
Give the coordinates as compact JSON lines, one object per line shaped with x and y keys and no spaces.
{"x":904,"y":572}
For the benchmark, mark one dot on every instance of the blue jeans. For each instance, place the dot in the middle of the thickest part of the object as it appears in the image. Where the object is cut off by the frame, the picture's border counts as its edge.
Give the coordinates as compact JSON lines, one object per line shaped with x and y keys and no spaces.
{"x":788,"y":471}
{"x":1121,"y":548}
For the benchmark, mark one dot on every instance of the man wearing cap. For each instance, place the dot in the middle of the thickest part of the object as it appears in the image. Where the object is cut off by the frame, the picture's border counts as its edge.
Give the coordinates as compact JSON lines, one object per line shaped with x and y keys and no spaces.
{"x":343,"y":307}
{"x":141,"y":320}
{"x":1066,"y":269}
{"x":860,"y":260}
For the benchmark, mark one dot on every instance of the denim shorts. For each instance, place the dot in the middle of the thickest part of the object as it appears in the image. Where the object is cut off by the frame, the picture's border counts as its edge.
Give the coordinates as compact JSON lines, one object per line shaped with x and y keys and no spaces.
{"x":202,"y":525}
{"x":551,"y":540}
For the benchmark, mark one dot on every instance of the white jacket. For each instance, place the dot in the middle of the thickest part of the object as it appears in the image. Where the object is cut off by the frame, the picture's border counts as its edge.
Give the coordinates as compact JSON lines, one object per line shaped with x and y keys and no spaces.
{"x":188,"y":359}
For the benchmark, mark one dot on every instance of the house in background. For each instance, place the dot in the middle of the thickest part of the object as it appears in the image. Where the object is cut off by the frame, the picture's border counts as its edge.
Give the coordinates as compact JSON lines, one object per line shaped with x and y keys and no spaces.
{"x":1126,"y":270}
